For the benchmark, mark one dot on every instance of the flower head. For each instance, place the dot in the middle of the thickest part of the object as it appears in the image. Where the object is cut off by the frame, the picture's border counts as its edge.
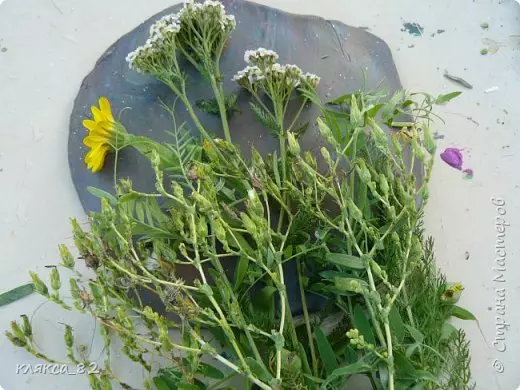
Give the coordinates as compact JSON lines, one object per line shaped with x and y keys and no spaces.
{"x":158,"y":48}
{"x":452,"y":157}
{"x":452,"y":293}
{"x":100,"y":138}
{"x":261,"y":57}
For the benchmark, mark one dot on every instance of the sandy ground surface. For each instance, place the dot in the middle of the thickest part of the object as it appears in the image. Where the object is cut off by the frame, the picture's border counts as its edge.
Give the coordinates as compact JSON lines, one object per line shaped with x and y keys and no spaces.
{"x":48,"y":46}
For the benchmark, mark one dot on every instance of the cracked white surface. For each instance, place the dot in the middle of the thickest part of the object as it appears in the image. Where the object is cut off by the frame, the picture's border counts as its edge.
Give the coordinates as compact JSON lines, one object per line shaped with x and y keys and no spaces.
{"x":52,"y":44}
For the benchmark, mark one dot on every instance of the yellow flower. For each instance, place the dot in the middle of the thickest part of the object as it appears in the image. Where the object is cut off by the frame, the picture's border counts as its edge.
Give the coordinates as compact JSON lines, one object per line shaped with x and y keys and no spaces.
{"x":101,"y":134}
{"x":453,"y":292}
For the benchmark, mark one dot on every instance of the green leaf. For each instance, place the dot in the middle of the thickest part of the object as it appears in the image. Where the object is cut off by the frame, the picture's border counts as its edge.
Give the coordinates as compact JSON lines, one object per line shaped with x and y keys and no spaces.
{"x":447,"y":331}
{"x":241,"y":270}
{"x":350,"y":369}
{"x":259,"y":370}
{"x":340,"y":100}
{"x":99,"y":193}
{"x":351,"y":356}
{"x":326,"y":352}
{"x":161,"y":383}
{"x":265,"y":298}
{"x":16,"y":294}
{"x":266,"y":118}
{"x":415,"y":333}
{"x":208,"y":371}
{"x":463,"y":314}
{"x":345,"y":260}
{"x":396,"y":325}
{"x":362,"y":324}
{"x":441,"y":99}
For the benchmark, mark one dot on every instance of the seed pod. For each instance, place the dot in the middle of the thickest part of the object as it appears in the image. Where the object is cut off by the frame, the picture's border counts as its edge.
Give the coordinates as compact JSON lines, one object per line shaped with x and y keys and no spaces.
{"x":326,"y":156}
{"x":383,"y":184}
{"x":39,"y":286}
{"x":363,"y":172}
{"x":355,"y":113}
{"x":66,"y":257}
{"x":68,"y":337}
{"x":26,"y":326}
{"x":294,"y":146}
{"x":202,"y":228}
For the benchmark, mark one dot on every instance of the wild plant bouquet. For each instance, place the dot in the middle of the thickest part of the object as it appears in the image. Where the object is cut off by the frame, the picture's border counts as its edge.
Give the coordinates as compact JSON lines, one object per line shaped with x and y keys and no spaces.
{"x":211,"y":242}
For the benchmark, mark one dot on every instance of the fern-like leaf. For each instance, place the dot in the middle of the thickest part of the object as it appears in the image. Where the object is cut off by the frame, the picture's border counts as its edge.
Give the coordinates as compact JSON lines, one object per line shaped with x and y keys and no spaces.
{"x":266,"y":118}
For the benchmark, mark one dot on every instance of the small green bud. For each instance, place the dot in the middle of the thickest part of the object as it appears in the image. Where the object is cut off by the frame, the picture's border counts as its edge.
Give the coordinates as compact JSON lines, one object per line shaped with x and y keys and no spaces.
{"x":39,"y":286}
{"x":355,"y":113}
{"x":201,"y":201}
{"x":258,"y":161}
{"x":202,"y":228}
{"x":380,"y":137}
{"x":383,"y":184}
{"x":66,"y":257}
{"x":219,"y":231}
{"x":326,"y":156}
{"x":18,"y":342}
{"x":248,"y":224}
{"x":325,"y":132}
{"x":294,"y":146}
{"x":178,"y":191}
{"x":355,"y":212}
{"x":255,"y":205}
{"x":26,"y":326}
{"x":311,"y":160}
{"x":375,"y":268}
{"x":55,"y":279}
{"x":363,"y":172}
{"x":80,"y":238}
{"x":68,"y":336}
{"x":17,"y":331}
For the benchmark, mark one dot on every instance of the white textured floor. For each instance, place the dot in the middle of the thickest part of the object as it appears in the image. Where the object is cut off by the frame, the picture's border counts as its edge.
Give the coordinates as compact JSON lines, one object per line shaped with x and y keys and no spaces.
{"x":52,"y":44}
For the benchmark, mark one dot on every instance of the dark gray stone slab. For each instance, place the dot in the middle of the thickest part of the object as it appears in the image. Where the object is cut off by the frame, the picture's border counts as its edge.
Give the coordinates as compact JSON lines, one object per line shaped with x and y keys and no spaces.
{"x":342,"y":55}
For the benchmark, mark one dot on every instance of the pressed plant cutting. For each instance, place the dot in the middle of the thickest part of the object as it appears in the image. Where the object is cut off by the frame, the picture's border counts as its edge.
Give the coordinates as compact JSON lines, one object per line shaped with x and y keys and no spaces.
{"x":349,"y":218}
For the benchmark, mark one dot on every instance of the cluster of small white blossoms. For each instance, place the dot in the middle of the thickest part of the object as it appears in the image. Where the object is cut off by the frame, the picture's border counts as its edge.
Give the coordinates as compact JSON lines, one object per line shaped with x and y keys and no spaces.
{"x":197,"y":12}
{"x":163,"y":32}
{"x":263,"y":65}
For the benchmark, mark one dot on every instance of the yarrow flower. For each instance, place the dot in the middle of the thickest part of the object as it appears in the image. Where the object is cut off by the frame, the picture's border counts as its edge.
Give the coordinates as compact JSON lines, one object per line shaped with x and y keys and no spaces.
{"x":263,"y":68}
{"x":195,"y":25}
{"x":261,"y":57}
{"x":102,"y":134}
{"x":159,"y":47}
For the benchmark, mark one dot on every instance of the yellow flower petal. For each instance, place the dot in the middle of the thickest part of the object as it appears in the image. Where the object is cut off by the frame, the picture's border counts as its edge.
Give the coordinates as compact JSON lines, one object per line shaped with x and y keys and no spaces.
{"x":97,"y":114}
{"x":89,"y":124}
{"x":95,"y":158}
{"x":93,"y":140}
{"x":104,"y":105}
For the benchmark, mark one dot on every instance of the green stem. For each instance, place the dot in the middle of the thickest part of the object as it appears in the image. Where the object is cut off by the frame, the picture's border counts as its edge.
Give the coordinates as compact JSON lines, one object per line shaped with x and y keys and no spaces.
{"x":307,"y":321}
{"x":219,"y":95}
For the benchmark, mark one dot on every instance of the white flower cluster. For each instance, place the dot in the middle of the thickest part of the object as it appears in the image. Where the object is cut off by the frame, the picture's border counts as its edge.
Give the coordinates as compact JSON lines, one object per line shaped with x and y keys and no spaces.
{"x":263,"y":66}
{"x":250,"y":75}
{"x":194,"y":11}
{"x":162,"y":32}
{"x":260,"y":57}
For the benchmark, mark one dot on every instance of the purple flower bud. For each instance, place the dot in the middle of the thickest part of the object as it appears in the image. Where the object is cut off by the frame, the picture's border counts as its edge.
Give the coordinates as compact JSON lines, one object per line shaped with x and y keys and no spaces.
{"x":452,"y":157}
{"x":468,"y":173}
